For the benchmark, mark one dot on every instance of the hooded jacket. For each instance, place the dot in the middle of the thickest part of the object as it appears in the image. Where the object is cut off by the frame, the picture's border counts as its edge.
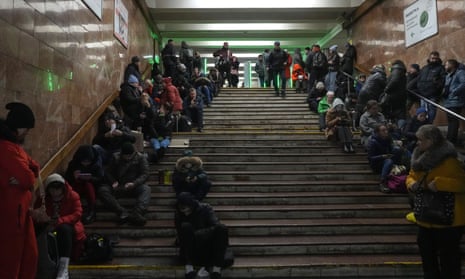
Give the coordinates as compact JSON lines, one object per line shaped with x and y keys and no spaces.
{"x":203,"y":218}
{"x":67,"y":211}
{"x":190,"y":167}
{"x":89,"y":153}
{"x":442,"y":166}
{"x":373,"y":87}
{"x":170,"y":96}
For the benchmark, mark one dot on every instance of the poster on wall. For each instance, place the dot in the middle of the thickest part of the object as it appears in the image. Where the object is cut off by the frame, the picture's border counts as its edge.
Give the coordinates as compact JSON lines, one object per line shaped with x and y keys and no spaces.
{"x":95,"y":6}
{"x":120,"y":28}
{"x":420,"y":21}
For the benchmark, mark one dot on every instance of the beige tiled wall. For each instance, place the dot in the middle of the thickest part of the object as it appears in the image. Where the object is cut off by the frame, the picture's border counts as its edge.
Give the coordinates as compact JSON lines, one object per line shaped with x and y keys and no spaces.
{"x":379,"y":36}
{"x":61,"y":60}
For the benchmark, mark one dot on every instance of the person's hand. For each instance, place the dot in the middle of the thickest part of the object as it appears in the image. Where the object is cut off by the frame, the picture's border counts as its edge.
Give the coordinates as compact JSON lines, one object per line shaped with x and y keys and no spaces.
{"x":129,"y":185}
{"x":76,"y":174}
{"x":387,"y":156}
{"x":117,"y":132}
{"x":142,"y":115}
{"x":194,"y":179}
{"x":115,"y":185}
{"x":432,"y":186}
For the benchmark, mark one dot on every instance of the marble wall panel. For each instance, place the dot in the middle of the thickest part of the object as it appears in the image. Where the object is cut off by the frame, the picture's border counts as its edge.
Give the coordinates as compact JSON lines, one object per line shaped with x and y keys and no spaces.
{"x":62,"y":61}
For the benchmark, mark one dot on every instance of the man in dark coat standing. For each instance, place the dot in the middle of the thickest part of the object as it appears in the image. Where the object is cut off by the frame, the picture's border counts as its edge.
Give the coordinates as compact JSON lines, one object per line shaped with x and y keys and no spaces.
{"x":18,"y":172}
{"x":133,"y":69}
{"x":169,"y":59}
{"x":394,"y":105}
{"x":277,"y":63}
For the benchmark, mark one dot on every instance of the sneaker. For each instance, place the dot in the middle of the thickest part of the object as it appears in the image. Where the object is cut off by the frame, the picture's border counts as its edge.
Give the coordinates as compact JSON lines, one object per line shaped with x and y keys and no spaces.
{"x":346,"y":148}
{"x":200,"y":130}
{"x":351,"y":148}
{"x":123,"y":217}
{"x":384,"y":188}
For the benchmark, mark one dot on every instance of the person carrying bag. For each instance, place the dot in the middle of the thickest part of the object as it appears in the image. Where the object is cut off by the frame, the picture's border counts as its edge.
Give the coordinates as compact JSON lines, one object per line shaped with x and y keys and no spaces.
{"x":437,"y":181}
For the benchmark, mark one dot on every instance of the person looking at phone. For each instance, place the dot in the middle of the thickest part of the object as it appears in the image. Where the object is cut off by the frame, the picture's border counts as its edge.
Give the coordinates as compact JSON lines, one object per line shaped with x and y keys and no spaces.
{"x":383,"y":154}
{"x":369,"y":120}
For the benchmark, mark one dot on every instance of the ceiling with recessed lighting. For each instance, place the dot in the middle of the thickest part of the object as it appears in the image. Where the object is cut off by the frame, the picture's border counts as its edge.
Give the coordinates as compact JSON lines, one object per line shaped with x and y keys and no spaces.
{"x":250,"y":26}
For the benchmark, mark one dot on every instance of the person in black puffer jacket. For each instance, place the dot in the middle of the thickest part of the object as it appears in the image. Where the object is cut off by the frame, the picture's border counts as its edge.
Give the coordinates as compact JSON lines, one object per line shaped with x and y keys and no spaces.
{"x":396,"y":96}
{"x":372,"y":88}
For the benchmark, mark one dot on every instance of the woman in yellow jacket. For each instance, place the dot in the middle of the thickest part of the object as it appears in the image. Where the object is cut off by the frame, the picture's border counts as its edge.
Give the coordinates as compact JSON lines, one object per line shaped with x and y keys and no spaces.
{"x":435,"y":167}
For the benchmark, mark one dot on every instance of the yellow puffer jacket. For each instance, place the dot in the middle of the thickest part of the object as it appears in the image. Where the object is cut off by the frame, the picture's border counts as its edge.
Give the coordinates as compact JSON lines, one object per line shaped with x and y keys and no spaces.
{"x":449,"y":176}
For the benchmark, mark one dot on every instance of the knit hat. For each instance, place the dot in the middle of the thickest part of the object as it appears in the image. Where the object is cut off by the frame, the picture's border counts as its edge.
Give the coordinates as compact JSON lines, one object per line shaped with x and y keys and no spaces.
{"x":333,"y":48}
{"x":420,"y":110}
{"x":19,"y":116}
{"x":277,"y":43}
{"x":54,"y":178}
{"x":135,"y":59}
{"x":133,"y":79}
{"x":127,"y":148}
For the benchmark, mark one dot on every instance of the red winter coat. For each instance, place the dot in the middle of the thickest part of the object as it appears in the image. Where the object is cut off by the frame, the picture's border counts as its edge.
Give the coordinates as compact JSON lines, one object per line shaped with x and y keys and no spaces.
{"x":170,"y":96}
{"x":70,"y":211}
{"x":18,"y":246}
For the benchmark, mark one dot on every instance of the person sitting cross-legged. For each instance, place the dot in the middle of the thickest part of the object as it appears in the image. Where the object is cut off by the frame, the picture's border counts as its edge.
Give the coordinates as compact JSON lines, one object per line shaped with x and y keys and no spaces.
{"x":203,"y":240}
{"x":189,"y":176}
{"x":127,"y":176}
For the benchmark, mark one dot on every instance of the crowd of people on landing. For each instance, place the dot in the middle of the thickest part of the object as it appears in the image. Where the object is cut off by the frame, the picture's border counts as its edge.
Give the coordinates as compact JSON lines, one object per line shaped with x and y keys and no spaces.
{"x":112,"y":167}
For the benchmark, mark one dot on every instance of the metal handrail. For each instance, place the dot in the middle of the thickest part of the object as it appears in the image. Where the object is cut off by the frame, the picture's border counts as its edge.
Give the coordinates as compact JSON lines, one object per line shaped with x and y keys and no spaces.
{"x":423,"y":98}
{"x":436,"y":105}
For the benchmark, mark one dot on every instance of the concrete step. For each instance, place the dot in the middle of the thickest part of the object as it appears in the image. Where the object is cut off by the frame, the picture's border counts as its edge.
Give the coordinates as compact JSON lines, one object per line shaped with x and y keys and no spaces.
{"x":250,"y":122}
{"x":244,"y":149}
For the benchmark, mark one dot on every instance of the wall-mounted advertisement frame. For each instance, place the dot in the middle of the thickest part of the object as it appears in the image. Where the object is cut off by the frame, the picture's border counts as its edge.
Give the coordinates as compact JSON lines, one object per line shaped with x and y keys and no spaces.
{"x":420,"y":21}
{"x":95,"y":6}
{"x":121,"y":25}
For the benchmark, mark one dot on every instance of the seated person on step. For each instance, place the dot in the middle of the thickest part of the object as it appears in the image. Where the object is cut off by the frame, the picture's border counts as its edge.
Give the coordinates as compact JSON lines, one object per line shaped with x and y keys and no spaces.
{"x":193,"y":108}
{"x":338,"y":124}
{"x":371,"y":118}
{"x":315,"y":95}
{"x":323,"y":106}
{"x":412,"y":126}
{"x":85,"y":174}
{"x":127,"y":177}
{"x":202,"y":238}
{"x":111,"y":137}
{"x":63,"y":217}
{"x":165,"y":123}
{"x":383,"y":154}
{"x":189,"y":176}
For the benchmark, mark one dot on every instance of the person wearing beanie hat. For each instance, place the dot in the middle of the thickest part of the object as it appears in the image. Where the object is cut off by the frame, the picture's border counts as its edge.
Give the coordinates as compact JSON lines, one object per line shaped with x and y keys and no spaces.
{"x":411,"y":127}
{"x":324,"y":104}
{"x":63,"y":214}
{"x":127,"y":177}
{"x":338,"y":122}
{"x":133,"y":79}
{"x":18,"y":253}
{"x":85,"y":173}
{"x":416,"y":67}
{"x":133,"y":69}
{"x":196,"y":223}
{"x":130,"y":92}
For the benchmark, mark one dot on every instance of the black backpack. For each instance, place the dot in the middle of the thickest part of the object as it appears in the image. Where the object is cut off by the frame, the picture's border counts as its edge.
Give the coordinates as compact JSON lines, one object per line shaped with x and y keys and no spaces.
{"x":97,"y":249}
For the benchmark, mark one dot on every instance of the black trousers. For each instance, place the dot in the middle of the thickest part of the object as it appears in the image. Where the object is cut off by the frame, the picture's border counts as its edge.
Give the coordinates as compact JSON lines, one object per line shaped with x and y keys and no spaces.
{"x":65,"y":237}
{"x":440,"y":252}
{"x":203,"y":249}
{"x":453,"y":124}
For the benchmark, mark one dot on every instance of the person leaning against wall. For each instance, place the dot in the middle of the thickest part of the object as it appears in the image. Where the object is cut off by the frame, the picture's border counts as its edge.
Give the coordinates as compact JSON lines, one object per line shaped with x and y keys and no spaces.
{"x":18,"y":172}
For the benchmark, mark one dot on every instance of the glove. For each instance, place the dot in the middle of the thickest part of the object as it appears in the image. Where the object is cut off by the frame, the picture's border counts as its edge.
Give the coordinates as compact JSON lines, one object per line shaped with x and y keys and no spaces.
{"x":432,"y":186}
{"x":34,"y":167}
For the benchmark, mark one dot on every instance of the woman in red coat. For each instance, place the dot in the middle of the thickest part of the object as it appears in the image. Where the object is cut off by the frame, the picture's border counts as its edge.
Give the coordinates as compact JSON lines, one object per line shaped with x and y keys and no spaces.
{"x":64,"y":211}
{"x":170,"y":97}
{"x":18,"y":246}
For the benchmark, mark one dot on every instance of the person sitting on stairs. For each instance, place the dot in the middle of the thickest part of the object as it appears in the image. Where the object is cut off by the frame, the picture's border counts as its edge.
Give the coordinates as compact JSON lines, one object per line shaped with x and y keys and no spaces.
{"x":383,"y":154}
{"x":338,"y":122}
{"x":127,"y":177}
{"x":63,"y":208}
{"x":203,"y":240}
{"x":189,"y":176}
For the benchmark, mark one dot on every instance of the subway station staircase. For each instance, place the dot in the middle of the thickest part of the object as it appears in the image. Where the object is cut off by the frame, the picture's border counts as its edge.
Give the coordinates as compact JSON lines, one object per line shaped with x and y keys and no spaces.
{"x":296,"y":206}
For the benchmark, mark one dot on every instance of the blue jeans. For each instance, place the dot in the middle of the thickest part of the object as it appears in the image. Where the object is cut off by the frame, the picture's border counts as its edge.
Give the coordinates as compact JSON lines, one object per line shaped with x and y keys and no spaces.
{"x":330,"y":81}
{"x":157,"y":144}
{"x":430,"y":110}
{"x":205,"y":92}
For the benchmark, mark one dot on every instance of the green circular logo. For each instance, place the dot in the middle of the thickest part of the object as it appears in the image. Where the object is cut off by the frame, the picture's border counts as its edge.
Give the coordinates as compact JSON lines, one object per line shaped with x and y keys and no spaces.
{"x":424,"y":19}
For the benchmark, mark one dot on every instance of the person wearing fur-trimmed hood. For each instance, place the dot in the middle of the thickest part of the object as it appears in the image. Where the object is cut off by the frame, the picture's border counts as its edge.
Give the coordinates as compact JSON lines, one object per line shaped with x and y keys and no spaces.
{"x":189,"y":176}
{"x":435,"y":168}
